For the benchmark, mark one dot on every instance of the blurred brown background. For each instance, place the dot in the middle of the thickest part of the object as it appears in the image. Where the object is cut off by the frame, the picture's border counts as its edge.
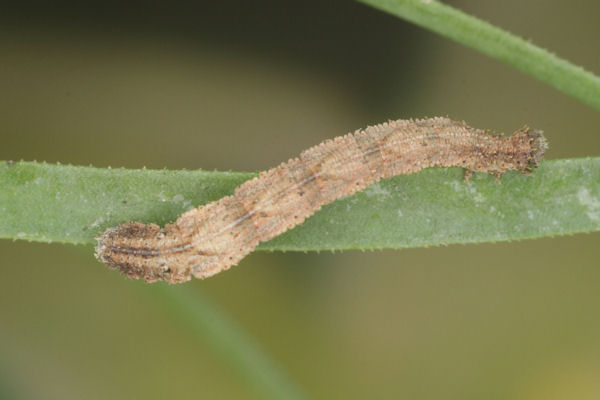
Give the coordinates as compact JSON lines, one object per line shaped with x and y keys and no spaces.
{"x":242,"y":86}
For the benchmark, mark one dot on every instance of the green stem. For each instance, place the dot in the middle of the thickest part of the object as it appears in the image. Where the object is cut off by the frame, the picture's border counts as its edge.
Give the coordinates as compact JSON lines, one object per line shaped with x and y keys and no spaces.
{"x":226,"y":339}
{"x":499,"y":44}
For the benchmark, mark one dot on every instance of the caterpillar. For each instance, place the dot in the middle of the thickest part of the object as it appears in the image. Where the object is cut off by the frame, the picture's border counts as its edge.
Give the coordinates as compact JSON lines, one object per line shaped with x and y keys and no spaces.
{"x":213,"y":237}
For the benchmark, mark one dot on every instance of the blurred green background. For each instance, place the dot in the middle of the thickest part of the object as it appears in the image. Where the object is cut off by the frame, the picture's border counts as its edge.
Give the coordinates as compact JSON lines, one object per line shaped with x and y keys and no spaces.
{"x":244,"y":86}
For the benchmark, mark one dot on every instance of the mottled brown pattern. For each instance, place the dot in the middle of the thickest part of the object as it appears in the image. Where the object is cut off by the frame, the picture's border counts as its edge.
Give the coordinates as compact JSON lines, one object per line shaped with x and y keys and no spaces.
{"x":213,"y":237}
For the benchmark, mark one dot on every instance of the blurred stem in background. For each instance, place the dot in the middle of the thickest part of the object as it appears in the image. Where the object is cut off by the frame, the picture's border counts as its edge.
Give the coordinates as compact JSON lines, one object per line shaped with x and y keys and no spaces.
{"x":226,"y":339}
{"x":499,"y":44}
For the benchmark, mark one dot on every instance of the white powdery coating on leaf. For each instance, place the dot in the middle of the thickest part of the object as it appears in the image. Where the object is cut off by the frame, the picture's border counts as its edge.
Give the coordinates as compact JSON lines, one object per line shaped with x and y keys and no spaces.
{"x":97,"y":222}
{"x":591,"y":203}
{"x":377,"y":191}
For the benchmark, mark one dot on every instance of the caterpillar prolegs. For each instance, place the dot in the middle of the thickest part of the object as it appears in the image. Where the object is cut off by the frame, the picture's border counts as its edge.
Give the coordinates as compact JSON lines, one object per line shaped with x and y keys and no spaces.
{"x":213,"y":237}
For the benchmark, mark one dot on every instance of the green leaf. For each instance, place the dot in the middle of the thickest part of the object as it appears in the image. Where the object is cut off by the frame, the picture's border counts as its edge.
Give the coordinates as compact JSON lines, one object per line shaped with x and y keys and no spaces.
{"x":499,"y":44}
{"x":227,"y":339}
{"x":69,"y":204}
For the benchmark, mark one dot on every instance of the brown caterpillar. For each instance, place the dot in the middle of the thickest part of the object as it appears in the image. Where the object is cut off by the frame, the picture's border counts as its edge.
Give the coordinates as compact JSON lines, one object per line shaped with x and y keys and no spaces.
{"x":213,"y":237}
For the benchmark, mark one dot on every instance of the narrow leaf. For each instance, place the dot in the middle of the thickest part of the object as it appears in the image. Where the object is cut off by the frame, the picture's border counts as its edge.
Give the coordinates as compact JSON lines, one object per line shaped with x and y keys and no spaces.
{"x":228,"y":340}
{"x":499,"y":44}
{"x":70,"y":204}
